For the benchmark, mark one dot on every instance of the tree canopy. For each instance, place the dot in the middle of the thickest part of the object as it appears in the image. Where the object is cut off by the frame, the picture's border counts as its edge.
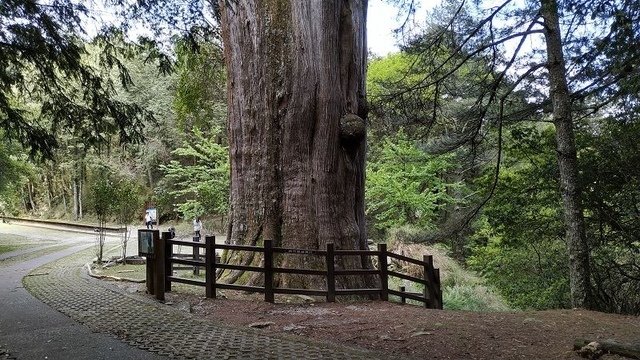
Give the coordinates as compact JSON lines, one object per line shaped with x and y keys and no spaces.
{"x":47,"y":85}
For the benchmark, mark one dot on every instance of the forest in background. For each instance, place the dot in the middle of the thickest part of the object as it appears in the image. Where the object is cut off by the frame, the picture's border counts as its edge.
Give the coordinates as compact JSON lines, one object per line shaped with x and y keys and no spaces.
{"x":448,"y":162}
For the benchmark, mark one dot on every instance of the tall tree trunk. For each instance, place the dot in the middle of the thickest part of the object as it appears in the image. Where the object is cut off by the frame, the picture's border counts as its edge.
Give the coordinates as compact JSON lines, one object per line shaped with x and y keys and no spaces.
{"x":75,"y":183}
{"x":24,"y":199}
{"x":297,"y":110}
{"x":80,"y":191}
{"x":76,"y":202}
{"x":150,"y":176}
{"x":63,"y":190}
{"x":47,"y":181}
{"x":31,"y":194}
{"x":577,"y":246}
{"x":64,"y":200}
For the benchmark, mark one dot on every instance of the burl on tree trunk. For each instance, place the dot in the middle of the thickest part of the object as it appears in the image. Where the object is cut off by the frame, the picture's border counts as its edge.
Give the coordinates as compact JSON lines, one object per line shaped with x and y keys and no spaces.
{"x":297,"y":130}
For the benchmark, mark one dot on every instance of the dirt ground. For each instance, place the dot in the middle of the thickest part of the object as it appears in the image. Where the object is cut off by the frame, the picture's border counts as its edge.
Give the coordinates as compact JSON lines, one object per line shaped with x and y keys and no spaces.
{"x":408,"y":331}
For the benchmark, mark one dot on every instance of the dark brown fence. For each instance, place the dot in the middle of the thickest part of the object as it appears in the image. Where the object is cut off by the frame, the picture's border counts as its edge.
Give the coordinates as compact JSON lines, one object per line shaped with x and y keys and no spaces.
{"x":165,"y":258}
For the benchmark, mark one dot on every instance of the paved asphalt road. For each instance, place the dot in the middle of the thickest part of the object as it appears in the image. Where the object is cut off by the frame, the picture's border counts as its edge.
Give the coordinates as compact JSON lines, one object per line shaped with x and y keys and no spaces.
{"x":30,"y":329}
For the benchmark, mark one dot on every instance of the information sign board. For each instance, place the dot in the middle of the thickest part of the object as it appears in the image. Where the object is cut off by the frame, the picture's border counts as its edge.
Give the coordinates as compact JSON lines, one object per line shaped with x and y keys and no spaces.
{"x":145,"y":242}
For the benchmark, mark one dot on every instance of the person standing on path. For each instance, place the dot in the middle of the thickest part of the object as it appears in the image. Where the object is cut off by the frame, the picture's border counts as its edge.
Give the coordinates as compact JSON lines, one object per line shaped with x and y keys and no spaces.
{"x":197,"y":226}
{"x":148,"y":220}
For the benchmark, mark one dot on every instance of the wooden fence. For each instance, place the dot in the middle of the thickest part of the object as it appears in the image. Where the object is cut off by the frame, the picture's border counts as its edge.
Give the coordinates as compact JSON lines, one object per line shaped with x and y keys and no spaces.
{"x":165,"y":258}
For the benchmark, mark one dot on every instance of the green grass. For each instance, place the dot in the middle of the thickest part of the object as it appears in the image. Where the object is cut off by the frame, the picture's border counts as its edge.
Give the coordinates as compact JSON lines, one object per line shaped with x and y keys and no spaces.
{"x":32,"y":255}
{"x":8,"y":248}
{"x":9,"y":243}
{"x":472,"y":298}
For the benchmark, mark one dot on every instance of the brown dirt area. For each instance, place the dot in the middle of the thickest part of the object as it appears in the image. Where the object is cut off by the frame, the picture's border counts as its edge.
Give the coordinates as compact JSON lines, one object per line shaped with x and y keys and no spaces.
{"x":408,"y":331}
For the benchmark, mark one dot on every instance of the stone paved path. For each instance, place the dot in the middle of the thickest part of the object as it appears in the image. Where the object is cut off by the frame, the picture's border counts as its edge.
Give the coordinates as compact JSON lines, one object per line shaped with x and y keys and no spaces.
{"x":158,"y":328}
{"x":30,"y":329}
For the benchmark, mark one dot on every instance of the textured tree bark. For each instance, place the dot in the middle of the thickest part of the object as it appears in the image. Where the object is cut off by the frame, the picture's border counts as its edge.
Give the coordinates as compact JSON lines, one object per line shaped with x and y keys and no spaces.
{"x":297,"y":110}
{"x":80,"y":191}
{"x":76,"y":183}
{"x":577,"y":246}
{"x":64,"y":200}
{"x":76,"y":201}
{"x":24,"y":199}
{"x":150,"y":176}
{"x":31,"y":191}
{"x":46,"y":179}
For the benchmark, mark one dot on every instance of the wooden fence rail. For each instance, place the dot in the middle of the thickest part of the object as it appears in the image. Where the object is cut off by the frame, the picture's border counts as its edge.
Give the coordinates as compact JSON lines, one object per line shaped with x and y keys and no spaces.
{"x":165,"y":258}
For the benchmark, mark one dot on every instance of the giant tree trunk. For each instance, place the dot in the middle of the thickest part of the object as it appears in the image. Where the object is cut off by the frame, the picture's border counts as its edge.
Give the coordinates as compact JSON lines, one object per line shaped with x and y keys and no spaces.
{"x":577,"y":246}
{"x":296,"y":96}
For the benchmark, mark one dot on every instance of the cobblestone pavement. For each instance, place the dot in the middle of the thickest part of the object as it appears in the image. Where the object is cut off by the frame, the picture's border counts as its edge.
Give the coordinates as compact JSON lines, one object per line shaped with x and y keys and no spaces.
{"x":158,"y":328}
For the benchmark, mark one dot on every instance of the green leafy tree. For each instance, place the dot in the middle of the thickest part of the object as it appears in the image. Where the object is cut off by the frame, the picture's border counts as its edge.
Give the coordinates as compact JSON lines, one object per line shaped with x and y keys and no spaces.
{"x":42,"y":60}
{"x":200,"y":181}
{"x":15,"y":174}
{"x":587,"y":67}
{"x":200,"y":98}
{"x":442,"y":120}
{"x":611,"y":181}
{"x":127,"y":203}
{"x":519,"y":244}
{"x":528,"y":276}
{"x":9,"y":164}
{"x":155,"y":92}
{"x":404,"y":184}
{"x":102,"y":194}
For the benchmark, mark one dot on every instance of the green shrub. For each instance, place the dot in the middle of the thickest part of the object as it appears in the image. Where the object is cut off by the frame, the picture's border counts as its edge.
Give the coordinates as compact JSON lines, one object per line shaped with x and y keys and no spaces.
{"x":472,"y":297}
{"x":533,"y":277}
{"x":404,"y":184}
{"x":462,"y":289}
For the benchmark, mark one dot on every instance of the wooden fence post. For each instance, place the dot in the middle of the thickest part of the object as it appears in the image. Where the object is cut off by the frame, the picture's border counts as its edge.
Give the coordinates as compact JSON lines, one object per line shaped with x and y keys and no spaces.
{"x":331,"y":276}
{"x":403,"y":300}
{"x":196,"y":255}
{"x":384,"y":277}
{"x":438,"y":289}
{"x":168,"y":265}
{"x":151,"y":263}
{"x":268,"y":271}
{"x":160,"y":260}
{"x":210,"y":266}
{"x":430,"y":287}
